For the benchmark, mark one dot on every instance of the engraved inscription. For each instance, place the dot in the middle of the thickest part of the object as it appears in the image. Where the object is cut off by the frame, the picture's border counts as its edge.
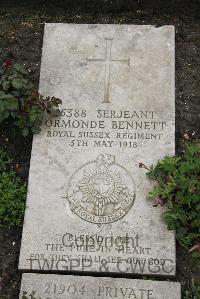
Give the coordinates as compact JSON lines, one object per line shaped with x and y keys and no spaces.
{"x":127,"y":129}
{"x":100,"y":290}
{"x":107,"y":61}
{"x":101,"y":191}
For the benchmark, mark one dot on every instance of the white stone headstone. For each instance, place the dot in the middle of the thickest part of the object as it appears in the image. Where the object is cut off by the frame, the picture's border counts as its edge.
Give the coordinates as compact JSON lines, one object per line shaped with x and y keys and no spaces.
{"x":50,"y":286}
{"x":87,"y":207}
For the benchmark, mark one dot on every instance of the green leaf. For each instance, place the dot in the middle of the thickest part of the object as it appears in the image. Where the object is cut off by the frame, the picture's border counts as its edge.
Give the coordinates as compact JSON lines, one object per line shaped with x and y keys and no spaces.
{"x":18,"y":83}
{"x":4,"y":96}
{"x":21,"y":121}
{"x":178,"y":183}
{"x":21,"y":69}
{"x":13,"y":114}
{"x":5,"y":85}
{"x":12,"y":194}
{"x":11,"y":104}
{"x":2,"y":106}
{"x":6,"y":114}
{"x":36,"y":130}
{"x":25,"y":132}
{"x":181,"y":232}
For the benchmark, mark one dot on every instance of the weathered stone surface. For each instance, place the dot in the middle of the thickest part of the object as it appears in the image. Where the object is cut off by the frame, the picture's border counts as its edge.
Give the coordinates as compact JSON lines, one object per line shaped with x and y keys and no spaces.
{"x":86,"y":207}
{"x":49,"y":286}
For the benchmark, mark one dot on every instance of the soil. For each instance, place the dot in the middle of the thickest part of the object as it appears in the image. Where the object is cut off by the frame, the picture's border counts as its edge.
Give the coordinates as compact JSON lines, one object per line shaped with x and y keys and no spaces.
{"x":21,"y":33}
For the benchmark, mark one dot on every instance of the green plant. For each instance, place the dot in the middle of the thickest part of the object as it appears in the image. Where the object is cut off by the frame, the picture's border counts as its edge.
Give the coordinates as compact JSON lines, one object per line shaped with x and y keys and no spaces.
{"x":190,"y":290}
{"x":19,"y":102}
{"x":12,"y":194}
{"x":178,"y":187}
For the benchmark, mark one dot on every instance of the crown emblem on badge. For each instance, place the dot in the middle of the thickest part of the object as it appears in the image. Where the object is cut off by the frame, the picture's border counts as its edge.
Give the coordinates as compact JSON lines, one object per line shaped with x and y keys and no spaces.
{"x":101,"y":191}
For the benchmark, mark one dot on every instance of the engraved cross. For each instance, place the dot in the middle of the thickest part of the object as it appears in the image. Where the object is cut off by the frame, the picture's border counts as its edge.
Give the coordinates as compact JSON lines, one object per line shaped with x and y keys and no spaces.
{"x":107,"y":62}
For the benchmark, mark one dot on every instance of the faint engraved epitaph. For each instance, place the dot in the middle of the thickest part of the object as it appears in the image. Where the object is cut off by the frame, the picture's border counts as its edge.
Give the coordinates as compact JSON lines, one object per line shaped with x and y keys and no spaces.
{"x":101,"y":191}
{"x":107,"y":61}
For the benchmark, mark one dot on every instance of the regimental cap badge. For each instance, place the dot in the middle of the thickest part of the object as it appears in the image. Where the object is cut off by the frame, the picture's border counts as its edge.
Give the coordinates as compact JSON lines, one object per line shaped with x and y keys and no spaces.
{"x":101,"y":191}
